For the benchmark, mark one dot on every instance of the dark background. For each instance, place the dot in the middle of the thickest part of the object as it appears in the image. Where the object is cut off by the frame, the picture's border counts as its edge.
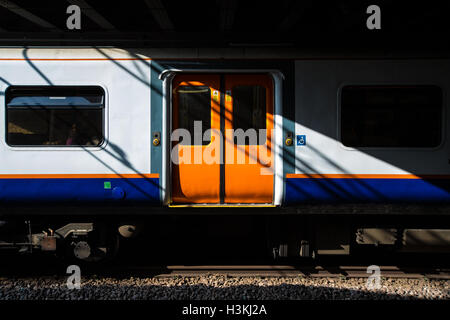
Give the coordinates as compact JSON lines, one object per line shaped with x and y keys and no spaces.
{"x":307,"y":24}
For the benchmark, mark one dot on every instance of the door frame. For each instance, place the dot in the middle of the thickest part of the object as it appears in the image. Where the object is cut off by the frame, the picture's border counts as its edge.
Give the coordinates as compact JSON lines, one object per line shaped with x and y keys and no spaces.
{"x":168,"y":75}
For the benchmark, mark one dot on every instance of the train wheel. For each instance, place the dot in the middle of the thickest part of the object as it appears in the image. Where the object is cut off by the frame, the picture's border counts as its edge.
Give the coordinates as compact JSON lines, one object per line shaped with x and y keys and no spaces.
{"x":98,"y":247}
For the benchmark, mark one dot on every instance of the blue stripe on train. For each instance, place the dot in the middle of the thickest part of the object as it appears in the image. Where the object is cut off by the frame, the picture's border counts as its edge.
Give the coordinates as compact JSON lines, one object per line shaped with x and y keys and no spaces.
{"x":80,"y":190}
{"x":353,"y":190}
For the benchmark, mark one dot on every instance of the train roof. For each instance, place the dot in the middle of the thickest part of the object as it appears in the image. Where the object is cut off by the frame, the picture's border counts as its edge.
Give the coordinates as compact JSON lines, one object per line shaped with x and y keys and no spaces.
{"x":117,"y":53}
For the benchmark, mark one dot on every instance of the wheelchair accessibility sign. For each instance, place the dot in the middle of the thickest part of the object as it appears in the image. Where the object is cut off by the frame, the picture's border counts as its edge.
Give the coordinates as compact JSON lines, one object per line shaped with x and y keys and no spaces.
{"x":301,"y":140}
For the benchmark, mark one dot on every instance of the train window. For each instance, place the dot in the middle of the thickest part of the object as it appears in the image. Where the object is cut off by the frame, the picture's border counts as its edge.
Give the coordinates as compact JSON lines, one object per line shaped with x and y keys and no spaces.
{"x":391,"y":116}
{"x":249,"y":111}
{"x":54,"y":116}
{"x":194,"y":105}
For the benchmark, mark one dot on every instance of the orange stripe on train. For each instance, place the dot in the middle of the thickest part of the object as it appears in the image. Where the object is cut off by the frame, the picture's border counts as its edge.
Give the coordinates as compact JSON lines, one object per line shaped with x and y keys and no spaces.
{"x":78,"y":176}
{"x":74,"y":59}
{"x":365,"y":176}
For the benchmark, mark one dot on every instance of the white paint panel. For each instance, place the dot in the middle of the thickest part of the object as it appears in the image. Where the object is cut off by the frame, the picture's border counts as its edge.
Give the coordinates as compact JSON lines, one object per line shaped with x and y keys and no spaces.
{"x":127,"y":116}
{"x":316,"y":116}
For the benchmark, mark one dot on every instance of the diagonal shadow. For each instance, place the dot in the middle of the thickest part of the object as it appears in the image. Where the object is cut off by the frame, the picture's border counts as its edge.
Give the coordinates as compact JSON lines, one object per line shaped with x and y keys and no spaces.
{"x":119,"y":154}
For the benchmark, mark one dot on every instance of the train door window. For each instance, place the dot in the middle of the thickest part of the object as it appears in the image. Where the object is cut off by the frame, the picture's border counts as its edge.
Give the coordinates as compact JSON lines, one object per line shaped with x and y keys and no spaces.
{"x":249,"y":111}
{"x":194,"y":108}
{"x":54,"y":116}
{"x":391,"y":116}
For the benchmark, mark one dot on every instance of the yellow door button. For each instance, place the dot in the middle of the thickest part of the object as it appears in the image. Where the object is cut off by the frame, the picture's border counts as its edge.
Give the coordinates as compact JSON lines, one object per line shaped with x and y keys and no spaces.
{"x":156,"y":142}
{"x":288,"y":141}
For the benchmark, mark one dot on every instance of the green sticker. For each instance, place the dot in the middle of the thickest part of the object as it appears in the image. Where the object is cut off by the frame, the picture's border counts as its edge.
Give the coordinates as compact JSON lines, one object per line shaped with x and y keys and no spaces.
{"x":107,"y":185}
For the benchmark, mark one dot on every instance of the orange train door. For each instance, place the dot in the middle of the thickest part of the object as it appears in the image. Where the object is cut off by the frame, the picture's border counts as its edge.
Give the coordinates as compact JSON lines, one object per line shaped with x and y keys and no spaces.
{"x":196,"y":105}
{"x":227,"y":157}
{"x":248,"y":152}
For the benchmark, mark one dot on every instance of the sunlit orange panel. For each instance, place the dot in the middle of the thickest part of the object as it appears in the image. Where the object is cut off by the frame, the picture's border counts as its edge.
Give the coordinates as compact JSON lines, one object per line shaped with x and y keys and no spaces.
{"x":195,"y":179}
{"x":248,"y":168}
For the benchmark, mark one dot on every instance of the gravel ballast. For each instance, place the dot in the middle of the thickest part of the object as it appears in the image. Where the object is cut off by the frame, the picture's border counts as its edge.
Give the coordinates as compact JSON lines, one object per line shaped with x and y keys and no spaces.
{"x":221,"y":287}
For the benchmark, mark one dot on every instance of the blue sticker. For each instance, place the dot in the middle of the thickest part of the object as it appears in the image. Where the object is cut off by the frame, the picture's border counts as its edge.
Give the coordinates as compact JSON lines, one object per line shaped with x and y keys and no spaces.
{"x":301,"y":140}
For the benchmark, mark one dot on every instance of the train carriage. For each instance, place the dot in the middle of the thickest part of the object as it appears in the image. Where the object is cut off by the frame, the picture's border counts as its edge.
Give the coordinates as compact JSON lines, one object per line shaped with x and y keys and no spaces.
{"x":335,"y":147}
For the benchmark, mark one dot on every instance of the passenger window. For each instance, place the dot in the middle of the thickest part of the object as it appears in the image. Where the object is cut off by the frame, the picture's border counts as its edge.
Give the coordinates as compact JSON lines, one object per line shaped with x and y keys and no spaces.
{"x":391,"y":116}
{"x":249,"y":112}
{"x":54,"y":116}
{"x":194,"y":104}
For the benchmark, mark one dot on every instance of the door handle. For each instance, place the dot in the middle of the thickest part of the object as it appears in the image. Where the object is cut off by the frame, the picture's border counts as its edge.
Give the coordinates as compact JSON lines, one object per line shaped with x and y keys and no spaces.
{"x":289,"y":139}
{"x":156,"y":138}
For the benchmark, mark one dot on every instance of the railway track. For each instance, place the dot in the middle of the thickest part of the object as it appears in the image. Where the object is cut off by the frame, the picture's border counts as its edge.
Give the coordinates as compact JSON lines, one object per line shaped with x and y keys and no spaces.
{"x":317,"y":271}
{"x":417,"y":267}
{"x":287,"y":271}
